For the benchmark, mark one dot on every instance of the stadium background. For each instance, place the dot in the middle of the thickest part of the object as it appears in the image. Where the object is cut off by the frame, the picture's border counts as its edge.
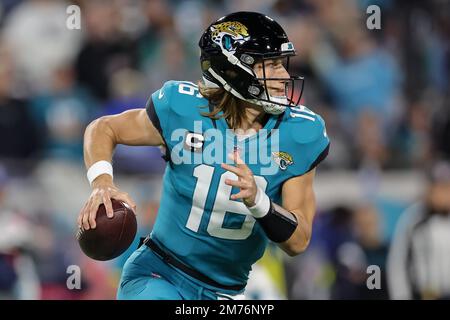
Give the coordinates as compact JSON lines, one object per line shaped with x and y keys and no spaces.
{"x":383,"y":94}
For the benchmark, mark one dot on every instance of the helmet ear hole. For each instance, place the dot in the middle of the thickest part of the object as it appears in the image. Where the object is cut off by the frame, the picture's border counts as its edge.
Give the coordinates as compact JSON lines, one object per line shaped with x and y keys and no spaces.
{"x":247,"y":59}
{"x":254,"y":90}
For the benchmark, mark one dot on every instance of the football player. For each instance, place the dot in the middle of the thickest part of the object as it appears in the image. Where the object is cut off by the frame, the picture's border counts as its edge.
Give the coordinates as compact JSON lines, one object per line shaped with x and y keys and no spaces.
{"x":219,"y":206}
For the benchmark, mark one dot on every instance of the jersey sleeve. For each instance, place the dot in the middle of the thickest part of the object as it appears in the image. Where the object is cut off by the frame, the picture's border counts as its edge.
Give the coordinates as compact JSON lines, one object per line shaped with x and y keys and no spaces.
{"x":318,"y":149}
{"x":311,"y":146}
{"x":159,"y":109}
{"x":174,"y":110}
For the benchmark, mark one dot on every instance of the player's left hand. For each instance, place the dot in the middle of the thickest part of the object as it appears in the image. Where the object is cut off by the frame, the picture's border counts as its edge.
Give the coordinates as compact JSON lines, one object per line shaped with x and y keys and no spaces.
{"x":246,"y":181}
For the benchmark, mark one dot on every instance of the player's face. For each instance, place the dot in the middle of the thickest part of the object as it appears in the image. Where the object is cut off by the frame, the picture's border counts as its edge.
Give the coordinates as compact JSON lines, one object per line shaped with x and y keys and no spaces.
{"x":274,"y":68}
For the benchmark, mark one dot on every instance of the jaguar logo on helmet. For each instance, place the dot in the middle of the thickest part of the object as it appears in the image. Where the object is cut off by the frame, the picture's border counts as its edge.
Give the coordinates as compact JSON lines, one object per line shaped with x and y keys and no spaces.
{"x":228,"y":34}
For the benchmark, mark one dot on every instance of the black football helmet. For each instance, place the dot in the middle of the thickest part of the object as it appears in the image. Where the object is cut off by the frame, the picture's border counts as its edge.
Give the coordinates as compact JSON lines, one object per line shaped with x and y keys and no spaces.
{"x":232,"y":45}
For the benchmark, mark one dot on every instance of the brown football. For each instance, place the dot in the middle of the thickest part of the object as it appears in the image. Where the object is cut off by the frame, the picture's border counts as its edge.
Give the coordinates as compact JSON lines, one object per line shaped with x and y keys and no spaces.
{"x":112,"y":236}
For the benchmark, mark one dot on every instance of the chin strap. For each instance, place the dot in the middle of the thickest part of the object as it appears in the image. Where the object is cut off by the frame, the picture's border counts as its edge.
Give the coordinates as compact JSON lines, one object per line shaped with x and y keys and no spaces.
{"x":272,"y":108}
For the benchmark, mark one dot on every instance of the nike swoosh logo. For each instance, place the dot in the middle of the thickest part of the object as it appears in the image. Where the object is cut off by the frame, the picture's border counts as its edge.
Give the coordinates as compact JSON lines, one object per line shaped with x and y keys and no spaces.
{"x":161,"y":94}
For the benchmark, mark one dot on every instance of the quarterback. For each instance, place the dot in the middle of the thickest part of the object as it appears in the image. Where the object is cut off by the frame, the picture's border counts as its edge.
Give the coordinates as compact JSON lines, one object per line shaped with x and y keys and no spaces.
{"x":219,"y":207}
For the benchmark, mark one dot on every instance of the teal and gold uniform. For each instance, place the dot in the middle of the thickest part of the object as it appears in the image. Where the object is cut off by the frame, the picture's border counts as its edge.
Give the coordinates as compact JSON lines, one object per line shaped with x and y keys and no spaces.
{"x":197,"y":223}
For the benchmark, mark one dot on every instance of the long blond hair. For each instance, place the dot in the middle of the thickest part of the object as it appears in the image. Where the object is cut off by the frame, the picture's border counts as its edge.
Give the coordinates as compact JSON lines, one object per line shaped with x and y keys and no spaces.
{"x":233,"y":108}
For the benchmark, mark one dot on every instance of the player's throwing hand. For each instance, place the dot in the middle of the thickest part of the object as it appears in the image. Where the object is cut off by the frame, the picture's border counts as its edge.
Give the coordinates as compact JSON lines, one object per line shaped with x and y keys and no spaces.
{"x":102,"y":192}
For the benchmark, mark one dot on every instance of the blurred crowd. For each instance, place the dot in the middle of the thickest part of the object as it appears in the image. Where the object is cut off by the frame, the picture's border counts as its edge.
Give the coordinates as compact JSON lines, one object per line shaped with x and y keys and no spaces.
{"x":383,"y":93}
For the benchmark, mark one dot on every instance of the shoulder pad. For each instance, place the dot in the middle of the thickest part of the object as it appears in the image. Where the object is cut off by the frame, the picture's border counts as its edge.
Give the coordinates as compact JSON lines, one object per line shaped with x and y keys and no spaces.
{"x":306,"y":126}
{"x":183,"y":96}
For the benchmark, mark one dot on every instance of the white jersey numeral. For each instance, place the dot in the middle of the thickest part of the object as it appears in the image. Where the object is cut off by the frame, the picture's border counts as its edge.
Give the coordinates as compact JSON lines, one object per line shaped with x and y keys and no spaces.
{"x":222,"y":205}
{"x":302,"y":112}
{"x":189,"y":89}
{"x":204,"y":175}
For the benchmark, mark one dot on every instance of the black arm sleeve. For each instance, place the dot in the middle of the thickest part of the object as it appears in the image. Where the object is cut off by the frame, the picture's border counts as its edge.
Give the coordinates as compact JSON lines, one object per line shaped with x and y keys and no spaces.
{"x":278,"y":224}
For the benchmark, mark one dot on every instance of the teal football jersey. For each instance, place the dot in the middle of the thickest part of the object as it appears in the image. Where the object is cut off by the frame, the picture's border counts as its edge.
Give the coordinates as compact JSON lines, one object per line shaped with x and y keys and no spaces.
{"x":197,"y":221}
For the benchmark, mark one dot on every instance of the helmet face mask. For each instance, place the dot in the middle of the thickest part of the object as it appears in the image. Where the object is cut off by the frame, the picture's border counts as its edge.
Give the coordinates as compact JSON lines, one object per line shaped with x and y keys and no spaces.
{"x":292,"y":85}
{"x":234,"y":44}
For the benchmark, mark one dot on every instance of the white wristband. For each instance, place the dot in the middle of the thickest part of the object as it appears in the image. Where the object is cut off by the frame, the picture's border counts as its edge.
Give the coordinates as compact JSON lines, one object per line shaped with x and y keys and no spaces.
{"x":262,"y":204}
{"x":99,"y":168}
